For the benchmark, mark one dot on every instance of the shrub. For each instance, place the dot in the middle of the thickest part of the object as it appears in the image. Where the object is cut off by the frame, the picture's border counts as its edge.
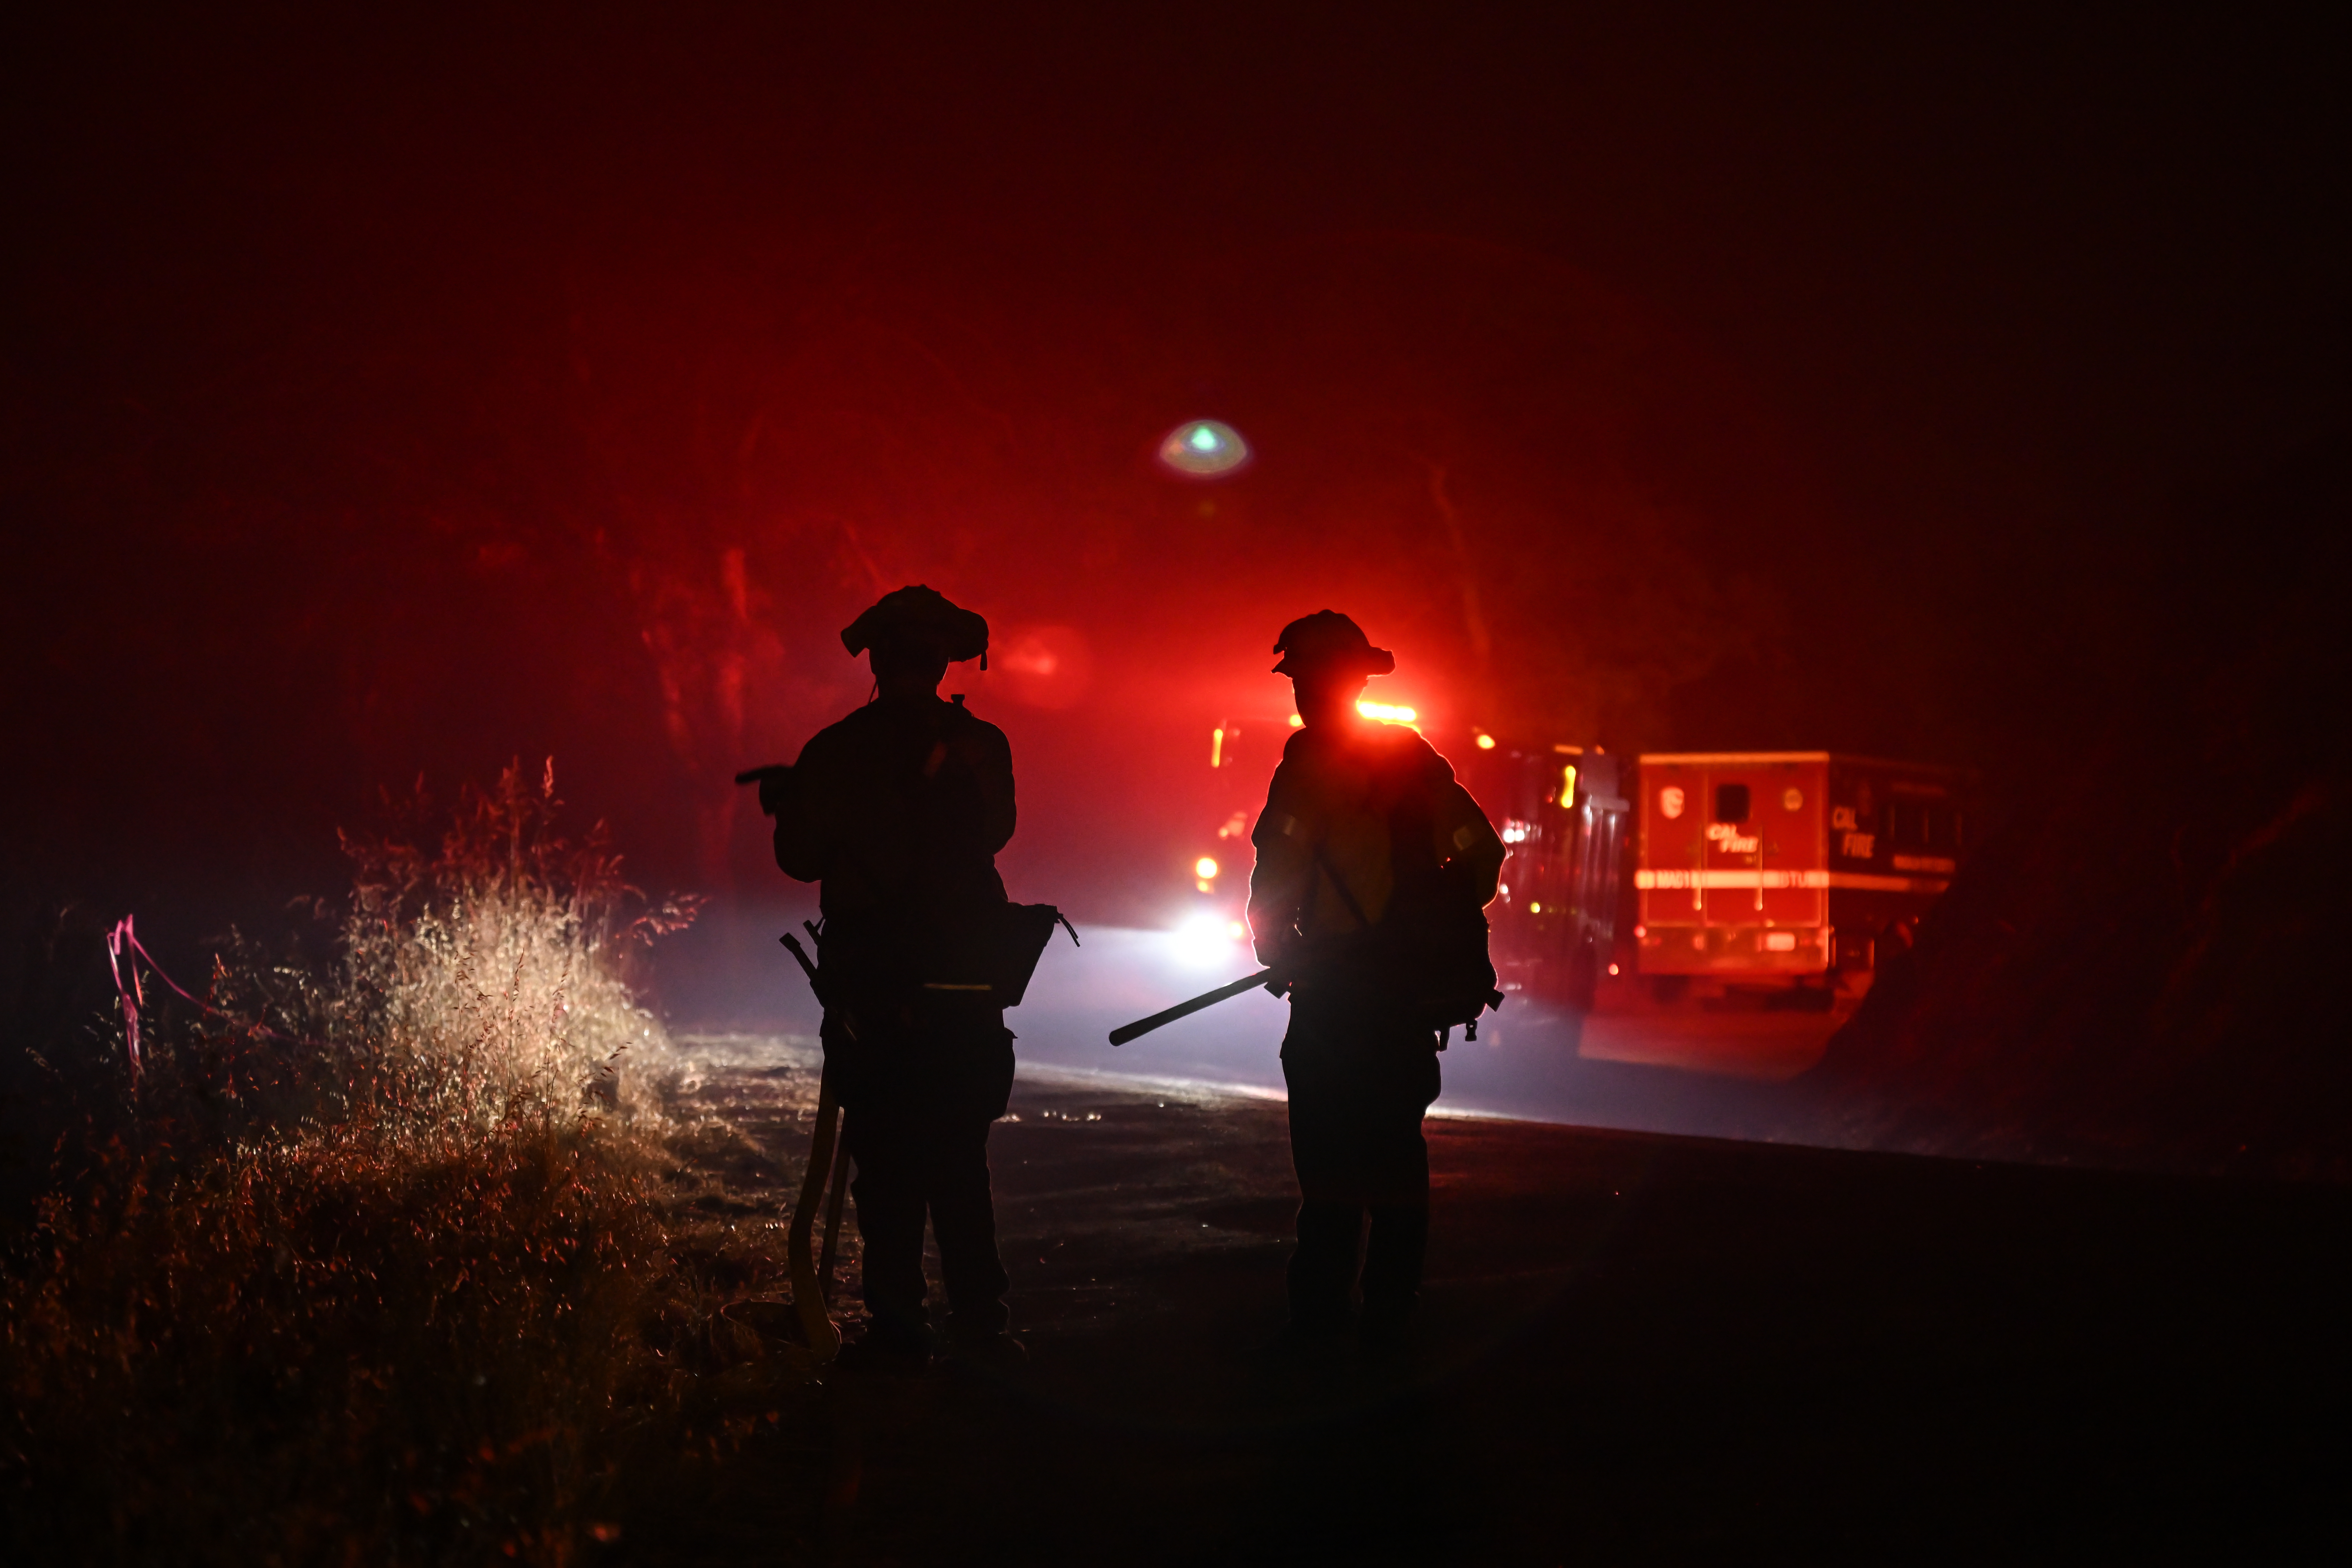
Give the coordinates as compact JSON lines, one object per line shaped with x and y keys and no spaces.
{"x":368,"y":1270}
{"x":494,"y":972}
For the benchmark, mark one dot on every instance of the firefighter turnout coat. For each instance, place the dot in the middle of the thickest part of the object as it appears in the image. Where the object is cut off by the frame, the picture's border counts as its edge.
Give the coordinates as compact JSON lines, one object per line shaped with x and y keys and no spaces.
{"x":1329,"y":817}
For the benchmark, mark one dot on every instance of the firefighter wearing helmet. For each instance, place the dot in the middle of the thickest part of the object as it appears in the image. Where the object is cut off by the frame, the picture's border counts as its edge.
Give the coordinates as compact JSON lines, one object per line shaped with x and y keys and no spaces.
{"x":1373,"y":868}
{"x":899,"y":811}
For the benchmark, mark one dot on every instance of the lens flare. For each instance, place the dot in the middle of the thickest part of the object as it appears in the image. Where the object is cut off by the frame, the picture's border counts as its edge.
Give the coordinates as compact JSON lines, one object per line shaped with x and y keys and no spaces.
{"x":1388,"y":712}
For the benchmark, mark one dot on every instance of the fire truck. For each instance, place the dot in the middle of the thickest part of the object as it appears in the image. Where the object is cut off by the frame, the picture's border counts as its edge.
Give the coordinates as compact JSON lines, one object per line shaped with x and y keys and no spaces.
{"x":1787,"y":870}
{"x":1784,"y":873}
{"x":1566,"y":825}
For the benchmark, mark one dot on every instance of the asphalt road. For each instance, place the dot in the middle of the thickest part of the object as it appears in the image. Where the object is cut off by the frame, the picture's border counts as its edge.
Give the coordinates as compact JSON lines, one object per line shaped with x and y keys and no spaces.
{"x":1529,"y":1061}
{"x":1631,"y":1347}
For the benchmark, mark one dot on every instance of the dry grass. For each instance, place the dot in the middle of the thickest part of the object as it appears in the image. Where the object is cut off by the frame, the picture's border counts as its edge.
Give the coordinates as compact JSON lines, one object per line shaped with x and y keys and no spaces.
{"x":388,"y":1260}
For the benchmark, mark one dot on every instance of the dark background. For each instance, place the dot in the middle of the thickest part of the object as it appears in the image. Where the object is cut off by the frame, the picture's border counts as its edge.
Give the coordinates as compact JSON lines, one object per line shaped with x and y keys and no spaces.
{"x":399,"y":395}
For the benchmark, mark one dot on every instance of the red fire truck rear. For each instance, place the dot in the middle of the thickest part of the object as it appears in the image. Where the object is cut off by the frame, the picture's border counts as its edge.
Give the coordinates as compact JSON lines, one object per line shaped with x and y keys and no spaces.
{"x":1773,"y":871}
{"x":1787,"y":869}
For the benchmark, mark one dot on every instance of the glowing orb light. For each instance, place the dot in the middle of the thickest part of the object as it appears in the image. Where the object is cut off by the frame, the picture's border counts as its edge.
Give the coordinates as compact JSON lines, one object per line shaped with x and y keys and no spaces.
{"x":1485,"y":742}
{"x":1204,"y":867}
{"x":1204,"y":449}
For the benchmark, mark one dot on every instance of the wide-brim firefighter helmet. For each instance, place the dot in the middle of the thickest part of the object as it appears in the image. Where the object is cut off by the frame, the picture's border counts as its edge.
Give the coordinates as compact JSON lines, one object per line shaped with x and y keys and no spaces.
{"x":918,"y":614}
{"x":1328,"y":640}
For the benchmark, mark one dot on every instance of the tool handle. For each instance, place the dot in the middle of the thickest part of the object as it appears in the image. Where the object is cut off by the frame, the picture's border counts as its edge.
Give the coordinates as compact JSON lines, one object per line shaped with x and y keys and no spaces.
{"x":1127,"y":1032}
{"x":808,"y":1291}
{"x":833,"y":1217}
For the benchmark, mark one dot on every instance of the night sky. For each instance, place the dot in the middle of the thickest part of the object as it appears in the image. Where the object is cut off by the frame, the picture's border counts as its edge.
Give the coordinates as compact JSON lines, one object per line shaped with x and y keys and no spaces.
{"x":386,"y":396}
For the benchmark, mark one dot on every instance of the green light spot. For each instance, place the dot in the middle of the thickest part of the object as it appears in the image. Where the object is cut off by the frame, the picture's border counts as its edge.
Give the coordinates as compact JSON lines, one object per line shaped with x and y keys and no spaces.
{"x":1204,"y":449}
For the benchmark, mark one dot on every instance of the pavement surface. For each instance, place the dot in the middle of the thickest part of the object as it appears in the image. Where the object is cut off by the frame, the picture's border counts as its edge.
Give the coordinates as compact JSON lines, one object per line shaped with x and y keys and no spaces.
{"x":1529,"y":1061}
{"x":1631,"y":1348}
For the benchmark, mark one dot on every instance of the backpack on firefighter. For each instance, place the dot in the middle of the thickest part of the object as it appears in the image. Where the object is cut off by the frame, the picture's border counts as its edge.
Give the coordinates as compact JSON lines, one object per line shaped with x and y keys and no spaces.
{"x":1427,"y":954}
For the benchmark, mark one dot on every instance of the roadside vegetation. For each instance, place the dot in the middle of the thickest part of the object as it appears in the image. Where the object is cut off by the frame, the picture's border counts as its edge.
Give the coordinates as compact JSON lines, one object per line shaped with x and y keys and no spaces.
{"x":388,"y":1254}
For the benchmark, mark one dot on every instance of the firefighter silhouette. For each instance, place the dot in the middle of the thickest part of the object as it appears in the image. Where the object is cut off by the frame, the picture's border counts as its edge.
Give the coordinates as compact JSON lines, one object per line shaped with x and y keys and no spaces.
{"x":897,"y":811}
{"x":1372,"y":868}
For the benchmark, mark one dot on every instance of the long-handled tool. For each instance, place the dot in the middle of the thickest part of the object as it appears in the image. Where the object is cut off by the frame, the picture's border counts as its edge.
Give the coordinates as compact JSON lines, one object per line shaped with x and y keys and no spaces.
{"x":1127,"y":1032}
{"x":809,"y":1279}
{"x":833,"y":1220}
{"x":808,"y":1291}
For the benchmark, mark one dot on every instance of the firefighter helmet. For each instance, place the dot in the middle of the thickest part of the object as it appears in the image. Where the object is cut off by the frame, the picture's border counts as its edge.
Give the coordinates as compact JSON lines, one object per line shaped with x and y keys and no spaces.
{"x":1328,"y":639}
{"x":919,"y":613}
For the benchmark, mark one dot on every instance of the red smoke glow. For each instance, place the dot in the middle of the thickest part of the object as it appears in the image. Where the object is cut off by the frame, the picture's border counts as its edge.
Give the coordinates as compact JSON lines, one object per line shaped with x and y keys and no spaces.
{"x":383,"y":399}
